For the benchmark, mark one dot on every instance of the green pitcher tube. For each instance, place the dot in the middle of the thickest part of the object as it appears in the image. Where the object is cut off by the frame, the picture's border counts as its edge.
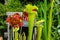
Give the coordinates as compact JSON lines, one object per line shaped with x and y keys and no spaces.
{"x":39,"y":34}
{"x":31,"y":16}
{"x":31,"y":25}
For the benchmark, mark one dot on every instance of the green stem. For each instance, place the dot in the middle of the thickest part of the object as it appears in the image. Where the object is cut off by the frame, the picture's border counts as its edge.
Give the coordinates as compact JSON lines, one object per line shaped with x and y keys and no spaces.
{"x":10,"y":34}
{"x":41,"y":13}
{"x":50,"y":21}
{"x":45,"y":22}
{"x":31,"y":18}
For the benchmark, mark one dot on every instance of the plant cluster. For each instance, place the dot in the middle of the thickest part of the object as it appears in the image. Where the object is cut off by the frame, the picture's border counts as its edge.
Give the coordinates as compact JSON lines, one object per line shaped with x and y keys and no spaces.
{"x":47,"y":10}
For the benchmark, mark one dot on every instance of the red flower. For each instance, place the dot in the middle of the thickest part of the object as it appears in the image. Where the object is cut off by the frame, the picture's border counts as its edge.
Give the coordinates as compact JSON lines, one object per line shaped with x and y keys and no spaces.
{"x":14,"y":20}
{"x":20,"y":24}
{"x":26,"y":14}
{"x":8,"y":20}
{"x":16,"y":15}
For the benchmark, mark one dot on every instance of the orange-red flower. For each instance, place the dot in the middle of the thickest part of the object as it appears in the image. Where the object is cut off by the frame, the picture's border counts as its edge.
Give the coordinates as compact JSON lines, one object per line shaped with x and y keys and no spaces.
{"x":15,"y":19}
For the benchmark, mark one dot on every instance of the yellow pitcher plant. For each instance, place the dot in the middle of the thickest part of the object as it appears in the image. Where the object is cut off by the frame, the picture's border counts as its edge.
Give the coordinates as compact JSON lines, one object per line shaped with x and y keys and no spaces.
{"x":31,"y":9}
{"x":39,"y":29}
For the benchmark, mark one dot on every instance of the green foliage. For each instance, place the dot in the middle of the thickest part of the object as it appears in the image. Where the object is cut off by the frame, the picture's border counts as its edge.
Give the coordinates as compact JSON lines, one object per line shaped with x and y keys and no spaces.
{"x":11,"y":6}
{"x":2,"y":9}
